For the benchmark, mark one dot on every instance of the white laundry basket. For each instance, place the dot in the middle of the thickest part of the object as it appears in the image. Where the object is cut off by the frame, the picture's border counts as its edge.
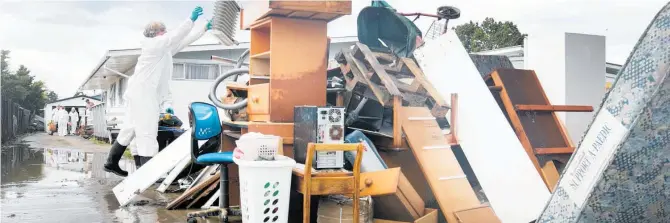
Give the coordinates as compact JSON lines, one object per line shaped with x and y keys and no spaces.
{"x":265,"y":188}
{"x":256,"y":146}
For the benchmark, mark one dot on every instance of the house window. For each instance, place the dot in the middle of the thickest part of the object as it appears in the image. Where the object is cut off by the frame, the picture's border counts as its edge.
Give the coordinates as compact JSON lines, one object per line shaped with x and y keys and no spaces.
{"x":201,"y":71}
{"x":178,"y":71}
{"x":112,"y":94}
{"x":188,"y":71}
{"x":123,"y":83}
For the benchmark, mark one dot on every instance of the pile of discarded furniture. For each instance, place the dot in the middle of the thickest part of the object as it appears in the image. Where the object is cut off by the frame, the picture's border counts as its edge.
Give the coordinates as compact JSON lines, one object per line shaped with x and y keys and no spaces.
{"x":415,"y":131}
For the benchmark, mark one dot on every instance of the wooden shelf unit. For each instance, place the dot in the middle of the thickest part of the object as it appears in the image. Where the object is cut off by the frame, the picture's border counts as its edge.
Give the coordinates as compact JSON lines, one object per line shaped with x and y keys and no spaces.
{"x":291,"y":52}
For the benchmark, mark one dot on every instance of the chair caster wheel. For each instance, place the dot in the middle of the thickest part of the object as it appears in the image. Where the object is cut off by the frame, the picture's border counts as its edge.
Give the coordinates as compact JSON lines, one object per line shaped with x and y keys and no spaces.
{"x":192,"y":220}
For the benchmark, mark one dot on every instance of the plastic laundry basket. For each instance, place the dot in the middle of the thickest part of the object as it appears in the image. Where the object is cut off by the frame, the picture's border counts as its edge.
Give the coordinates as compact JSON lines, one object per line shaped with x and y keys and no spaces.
{"x":256,"y":146}
{"x":265,"y":188}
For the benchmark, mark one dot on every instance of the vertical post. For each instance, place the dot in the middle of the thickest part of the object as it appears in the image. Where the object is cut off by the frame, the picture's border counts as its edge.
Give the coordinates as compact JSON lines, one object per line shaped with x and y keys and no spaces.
{"x":223,"y":187}
{"x":397,"y":133}
{"x":453,"y":123}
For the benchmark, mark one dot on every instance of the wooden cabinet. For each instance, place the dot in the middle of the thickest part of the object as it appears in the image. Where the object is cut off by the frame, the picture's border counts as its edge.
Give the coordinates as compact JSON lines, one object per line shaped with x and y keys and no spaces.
{"x":292,"y":56}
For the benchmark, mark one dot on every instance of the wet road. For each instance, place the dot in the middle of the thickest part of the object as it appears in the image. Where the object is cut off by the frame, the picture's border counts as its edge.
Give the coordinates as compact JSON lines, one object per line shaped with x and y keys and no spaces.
{"x":68,"y":185}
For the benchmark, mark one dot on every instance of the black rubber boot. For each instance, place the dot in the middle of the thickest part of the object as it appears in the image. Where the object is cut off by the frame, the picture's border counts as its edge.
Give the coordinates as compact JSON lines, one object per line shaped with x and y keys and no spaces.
{"x":115,"y":154}
{"x":138,"y":163}
{"x":144,"y":159}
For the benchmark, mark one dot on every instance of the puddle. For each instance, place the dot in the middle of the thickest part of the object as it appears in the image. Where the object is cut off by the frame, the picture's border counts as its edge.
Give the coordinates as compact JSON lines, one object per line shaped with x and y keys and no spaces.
{"x":70,"y":185}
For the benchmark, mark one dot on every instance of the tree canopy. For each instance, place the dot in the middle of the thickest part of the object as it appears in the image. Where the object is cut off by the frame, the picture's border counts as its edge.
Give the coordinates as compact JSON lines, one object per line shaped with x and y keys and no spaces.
{"x":488,"y":35}
{"x":20,"y":87}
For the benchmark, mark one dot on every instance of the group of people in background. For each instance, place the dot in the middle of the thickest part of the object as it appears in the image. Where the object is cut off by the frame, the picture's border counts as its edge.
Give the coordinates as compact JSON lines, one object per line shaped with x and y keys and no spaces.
{"x":65,"y":120}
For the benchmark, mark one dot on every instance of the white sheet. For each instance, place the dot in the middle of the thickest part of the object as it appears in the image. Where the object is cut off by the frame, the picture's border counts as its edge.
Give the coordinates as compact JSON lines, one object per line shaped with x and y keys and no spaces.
{"x":150,"y":172}
{"x":514,"y":188}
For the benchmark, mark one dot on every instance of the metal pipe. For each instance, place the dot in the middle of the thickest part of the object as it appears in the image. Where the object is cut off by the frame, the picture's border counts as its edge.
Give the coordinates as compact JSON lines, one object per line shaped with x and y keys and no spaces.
{"x":418,"y":14}
{"x":114,"y":71}
{"x":228,"y":61}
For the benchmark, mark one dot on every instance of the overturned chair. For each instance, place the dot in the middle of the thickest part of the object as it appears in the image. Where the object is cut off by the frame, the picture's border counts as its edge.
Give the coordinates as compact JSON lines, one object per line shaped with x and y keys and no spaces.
{"x":206,"y":125}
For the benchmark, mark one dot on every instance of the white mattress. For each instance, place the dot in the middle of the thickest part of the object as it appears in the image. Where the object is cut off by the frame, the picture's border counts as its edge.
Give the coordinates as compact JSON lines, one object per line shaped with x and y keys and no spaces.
{"x":514,"y":188}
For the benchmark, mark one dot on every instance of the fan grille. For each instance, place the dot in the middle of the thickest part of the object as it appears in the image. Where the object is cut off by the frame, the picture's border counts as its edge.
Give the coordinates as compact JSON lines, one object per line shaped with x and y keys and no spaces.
{"x":224,"y":23}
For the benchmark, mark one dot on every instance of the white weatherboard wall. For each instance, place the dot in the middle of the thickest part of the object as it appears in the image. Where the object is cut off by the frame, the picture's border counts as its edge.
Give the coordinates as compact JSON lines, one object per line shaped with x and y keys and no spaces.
{"x":185,"y":92}
{"x":571,"y":68}
{"x":515,"y":190}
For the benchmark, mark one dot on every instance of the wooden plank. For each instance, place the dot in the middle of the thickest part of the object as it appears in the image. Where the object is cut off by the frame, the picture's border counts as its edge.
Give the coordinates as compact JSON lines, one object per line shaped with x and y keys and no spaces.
{"x":336,"y":147}
{"x":326,"y":16}
{"x":440,"y":167}
{"x":331,"y":7}
{"x":203,"y":194}
{"x":452,"y":137}
{"x":192,"y":192}
{"x":301,"y":14}
{"x":483,"y":214}
{"x":548,"y":151}
{"x":382,"y":95}
{"x":299,"y":59}
{"x":516,"y":192}
{"x":554,"y":108}
{"x":378,"y":69}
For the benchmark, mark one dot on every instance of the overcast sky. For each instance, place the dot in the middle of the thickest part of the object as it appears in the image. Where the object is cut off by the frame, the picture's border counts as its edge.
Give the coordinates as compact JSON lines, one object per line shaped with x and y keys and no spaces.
{"x":62,"y":41}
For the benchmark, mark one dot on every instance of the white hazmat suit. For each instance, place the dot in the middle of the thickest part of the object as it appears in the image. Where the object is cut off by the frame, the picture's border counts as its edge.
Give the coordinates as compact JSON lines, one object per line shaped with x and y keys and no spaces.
{"x":148,"y":89}
{"x":62,"y":122}
{"x":74,"y":118}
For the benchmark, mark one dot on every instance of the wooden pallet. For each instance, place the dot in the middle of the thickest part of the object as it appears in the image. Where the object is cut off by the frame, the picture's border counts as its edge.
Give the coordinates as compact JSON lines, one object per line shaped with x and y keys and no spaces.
{"x":384,"y":76}
{"x":522,"y":99}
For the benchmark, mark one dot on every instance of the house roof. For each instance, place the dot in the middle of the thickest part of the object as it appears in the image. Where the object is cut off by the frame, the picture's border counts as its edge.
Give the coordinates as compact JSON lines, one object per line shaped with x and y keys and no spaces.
{"x":78,"y":96}
{"x":123,"y":60}
{"x":506,"y":51}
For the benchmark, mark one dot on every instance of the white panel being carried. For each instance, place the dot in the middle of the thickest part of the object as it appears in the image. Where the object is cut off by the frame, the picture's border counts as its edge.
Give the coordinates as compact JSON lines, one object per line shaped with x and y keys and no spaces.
{"x":514,"y":188}
{"x":150,"y":172}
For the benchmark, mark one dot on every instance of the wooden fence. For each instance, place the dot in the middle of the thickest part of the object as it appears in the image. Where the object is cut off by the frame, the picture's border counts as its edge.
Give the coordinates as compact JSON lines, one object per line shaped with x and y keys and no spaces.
{"x":15,"y":120}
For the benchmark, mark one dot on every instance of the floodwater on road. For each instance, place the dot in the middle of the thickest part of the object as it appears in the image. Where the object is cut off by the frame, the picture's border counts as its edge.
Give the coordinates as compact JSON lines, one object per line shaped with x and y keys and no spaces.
{"x":69,"y":185}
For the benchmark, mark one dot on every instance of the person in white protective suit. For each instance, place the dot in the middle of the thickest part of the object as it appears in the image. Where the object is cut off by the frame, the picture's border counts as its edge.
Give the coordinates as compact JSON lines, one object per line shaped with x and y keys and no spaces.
{"x":148,"y":89}
{"x":74,"y":119}
{"x":63,"y":119}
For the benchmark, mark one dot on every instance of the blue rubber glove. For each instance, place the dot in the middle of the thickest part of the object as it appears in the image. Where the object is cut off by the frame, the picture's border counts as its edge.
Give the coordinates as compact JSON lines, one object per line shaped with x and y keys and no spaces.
{"x":197,"y":12}
{"x":209,"y":25}
{"x":169,"y":110}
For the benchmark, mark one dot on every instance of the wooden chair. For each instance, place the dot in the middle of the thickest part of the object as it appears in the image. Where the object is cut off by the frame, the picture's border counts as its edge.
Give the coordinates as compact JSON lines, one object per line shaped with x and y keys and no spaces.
{"x":325,"y":183}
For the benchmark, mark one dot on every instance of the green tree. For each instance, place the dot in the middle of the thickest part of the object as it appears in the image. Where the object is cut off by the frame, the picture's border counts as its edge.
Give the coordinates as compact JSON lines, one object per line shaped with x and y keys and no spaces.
{"x":488,"y":35}
{"x":52,"y":96}
{"x":20,"y":87}
{"x":4,"y":62}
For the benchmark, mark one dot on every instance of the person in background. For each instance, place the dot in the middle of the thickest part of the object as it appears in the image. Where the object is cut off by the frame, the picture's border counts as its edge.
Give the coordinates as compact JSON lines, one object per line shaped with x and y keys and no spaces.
{"x":74,"y":119}
{"x":63,"y":119}
{"x":148,"y":89}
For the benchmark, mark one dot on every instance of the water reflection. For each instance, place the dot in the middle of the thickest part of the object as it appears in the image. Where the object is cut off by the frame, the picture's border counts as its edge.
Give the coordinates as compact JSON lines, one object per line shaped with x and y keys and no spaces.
{"x":70,"y":185}
{"x":20,"y":163}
